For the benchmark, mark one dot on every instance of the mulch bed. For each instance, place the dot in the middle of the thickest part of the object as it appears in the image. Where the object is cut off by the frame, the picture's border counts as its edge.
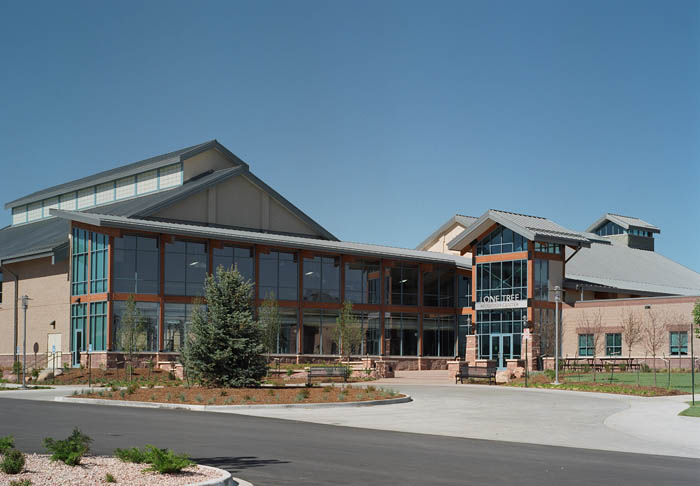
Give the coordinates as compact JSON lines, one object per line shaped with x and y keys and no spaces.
{"x":246,"y":396}
{"x":78,"y":376}
{"x":601,"y":387}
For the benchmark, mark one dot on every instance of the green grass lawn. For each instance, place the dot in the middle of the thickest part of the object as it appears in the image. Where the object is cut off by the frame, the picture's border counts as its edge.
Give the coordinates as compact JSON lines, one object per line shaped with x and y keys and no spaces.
{"x":692,"y":411}
{"x":679,"y":381}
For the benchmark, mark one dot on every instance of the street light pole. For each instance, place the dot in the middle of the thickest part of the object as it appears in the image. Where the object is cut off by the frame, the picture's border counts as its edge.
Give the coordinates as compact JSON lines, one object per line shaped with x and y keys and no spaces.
{"x":556,"y":334}
{"x":25,"y":304}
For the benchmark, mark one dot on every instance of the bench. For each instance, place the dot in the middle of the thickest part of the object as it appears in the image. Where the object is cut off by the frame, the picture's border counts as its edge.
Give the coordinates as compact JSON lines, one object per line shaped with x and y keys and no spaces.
{"x":466,"y":372}
{"x":327,"y":372}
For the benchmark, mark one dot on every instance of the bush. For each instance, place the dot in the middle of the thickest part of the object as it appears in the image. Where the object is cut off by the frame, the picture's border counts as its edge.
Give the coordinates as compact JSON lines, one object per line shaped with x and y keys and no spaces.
{"x":645,"y":368}
{"x":550,"y":374}
{"x":21,"y":482}
{"x":71,"y":450}
{"x":109,"y":478}
{"x":12,"y":462}
{"x":134,"y":455}
{"x":166,"y":461}
{"x":6,"y":443}
{"x":290,"y":372}
{"x":35,"y":373}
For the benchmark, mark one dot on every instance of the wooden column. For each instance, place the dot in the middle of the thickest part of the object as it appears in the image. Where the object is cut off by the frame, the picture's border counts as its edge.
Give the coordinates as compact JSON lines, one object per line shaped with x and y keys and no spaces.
{"x":300,"y":313}
{"x":382,"y":301}
{"x":161,"y":294}
{"x":110,"y":291}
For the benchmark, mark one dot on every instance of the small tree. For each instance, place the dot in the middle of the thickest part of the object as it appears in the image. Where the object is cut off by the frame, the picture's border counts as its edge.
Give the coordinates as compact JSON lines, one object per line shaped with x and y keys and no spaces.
{"x":131,"y":333}
{"x":593,"y":324}
{"x":348,"y":332}
{"x":225,"y":345}
{"x":654,"y":336}
{"x":696,"y":320}
{"x":632,"y":329}
{"x":270,"y":323}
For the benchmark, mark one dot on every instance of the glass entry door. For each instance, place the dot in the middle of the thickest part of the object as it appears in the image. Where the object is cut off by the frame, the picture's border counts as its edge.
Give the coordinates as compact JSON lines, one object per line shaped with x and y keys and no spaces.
{"x":501,"y":349}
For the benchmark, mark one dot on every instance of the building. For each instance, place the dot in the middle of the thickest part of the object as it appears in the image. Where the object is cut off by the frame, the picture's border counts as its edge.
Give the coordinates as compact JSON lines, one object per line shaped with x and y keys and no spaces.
{"x":607,"y":273}
{"x":154,"y":229}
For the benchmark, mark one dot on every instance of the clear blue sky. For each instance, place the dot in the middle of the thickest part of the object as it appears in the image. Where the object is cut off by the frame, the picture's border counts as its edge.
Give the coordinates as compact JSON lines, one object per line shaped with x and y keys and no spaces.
{"x":379,"y":119}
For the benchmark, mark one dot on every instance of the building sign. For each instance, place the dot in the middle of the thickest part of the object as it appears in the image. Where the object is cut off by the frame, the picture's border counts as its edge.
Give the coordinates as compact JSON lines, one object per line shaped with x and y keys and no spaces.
{"x":512,"y":301}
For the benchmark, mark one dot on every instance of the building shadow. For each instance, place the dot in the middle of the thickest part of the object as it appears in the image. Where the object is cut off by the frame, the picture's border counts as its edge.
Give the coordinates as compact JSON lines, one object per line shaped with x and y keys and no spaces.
{"x":235,"y":464}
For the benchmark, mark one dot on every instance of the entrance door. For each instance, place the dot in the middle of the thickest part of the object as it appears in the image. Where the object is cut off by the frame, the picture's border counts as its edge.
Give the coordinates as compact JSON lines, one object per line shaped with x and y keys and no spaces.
{"x":54,"y":351}
{"x":501,"y":349}
{"x":78,"y":340}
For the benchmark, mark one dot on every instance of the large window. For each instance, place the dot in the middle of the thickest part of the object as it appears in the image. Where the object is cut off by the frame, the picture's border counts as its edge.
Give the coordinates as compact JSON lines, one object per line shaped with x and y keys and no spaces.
{"x":678,"y":343}
{"x":176,"y":322}
{"x":501,"y":240}
{"x":541,"y":268}
{"x":610,"y":228}
{"x":319,"y":331}
{"x":464,"y":289}
{"x":552,"y":248}
{"x":586,"y":345}
{"x":136,"y":265}
{"x":322,"y":279}
{"x":241,"y":258}
{"x":98,"y":263}
{"x":501,"y":321}
{"x":279,"y":276}
{"x":185,"y":268}
{"x":439,"y":288}
{"x":79,"y":274}
{"x":78,"y":320}
{"x":438,"y":335}
{"x":143,"y":333}
{"x":402,"y":284}
{"x":401,"y":334}
{"x":362,"y":282}
{"x":613,"y":344}
{"x":465,"y":329}
{"x":98,"y":326}
{"x":498,"y":279}
{"x":371,"y":333}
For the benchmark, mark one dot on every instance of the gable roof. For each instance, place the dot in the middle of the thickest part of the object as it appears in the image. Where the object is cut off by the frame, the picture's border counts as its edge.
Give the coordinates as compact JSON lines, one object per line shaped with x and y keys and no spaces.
{"x":127,"y":170}
{"x":272,"y":239}
{"x":625,"y":222}
{"x":531,"y":227}
{"x":460,"y":219}
{"x":618,"y":266}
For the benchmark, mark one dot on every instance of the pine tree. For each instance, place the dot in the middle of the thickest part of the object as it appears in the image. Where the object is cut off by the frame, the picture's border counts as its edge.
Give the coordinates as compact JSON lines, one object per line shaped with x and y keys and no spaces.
{"x":225,"y":345}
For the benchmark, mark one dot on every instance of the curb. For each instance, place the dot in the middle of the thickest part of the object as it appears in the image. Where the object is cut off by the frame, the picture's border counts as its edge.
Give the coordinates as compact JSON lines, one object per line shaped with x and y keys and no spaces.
{"x":229,"y":408}
{"x":224,"y":480}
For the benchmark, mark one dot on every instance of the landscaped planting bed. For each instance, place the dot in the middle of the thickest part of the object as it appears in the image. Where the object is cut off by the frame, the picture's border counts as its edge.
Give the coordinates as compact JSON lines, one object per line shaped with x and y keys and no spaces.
{"x":40,"y":470}
{"x":621,"y":389}
{"x":80,"y":376}
{"x":244,"y":396}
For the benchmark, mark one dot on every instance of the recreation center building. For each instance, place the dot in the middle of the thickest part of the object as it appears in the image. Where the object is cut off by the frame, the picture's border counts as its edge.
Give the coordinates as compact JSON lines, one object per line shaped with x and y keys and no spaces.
{"x":154,"y":229}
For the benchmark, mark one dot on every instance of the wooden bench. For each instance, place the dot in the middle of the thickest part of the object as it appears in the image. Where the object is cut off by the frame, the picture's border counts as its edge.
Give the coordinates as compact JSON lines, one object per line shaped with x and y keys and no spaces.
{"x":466,"y":372}
{"x":327,"y":372}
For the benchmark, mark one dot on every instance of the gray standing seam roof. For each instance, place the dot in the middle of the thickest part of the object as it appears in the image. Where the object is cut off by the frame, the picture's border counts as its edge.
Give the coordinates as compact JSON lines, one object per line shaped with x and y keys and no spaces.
{"x":626,"y":222}
{"x":531,"y":227}
{"x":32,"y":239}
{"x":272,"y":239}
{"x":126,"y":170}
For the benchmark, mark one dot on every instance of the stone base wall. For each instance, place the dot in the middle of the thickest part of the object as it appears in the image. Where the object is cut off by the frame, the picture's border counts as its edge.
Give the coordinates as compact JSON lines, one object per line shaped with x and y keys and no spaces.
{"x":6,"y":360}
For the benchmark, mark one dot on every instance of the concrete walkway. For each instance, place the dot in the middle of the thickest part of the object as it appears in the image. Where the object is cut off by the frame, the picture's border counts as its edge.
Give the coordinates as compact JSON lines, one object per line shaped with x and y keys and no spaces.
{"x":537,"y":416}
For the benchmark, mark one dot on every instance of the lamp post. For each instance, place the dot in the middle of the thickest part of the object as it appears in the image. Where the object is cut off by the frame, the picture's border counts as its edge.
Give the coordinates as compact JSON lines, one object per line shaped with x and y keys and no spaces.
{"x":557,"y":291}
{"x":25,"y":304}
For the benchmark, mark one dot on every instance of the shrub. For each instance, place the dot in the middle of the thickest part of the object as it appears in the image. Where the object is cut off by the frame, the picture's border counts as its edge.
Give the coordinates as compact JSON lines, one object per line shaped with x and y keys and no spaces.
{"x":223,"y":393}
{"x":131,"y":389}
{"x":17,"y":368}
{"x":169,"y":396}
{"x":211,"y":401}
{"x":645,"y":368}
{"x":290,"y":372}
{"x":35,"y":373}
{"x":109,"y":478}
{"x":134,"y":455}
{"x":153,"y":397}
{"x":12,"y":462}
{"x":166,"y":461}
{"x":71,"y":450}
{"x":6,"y":443}
{"x":122,"y":393}
{"x":342,"y":395}
{"x":183,"y":398}
{"x":21,"y":482}
{"x":199,"y":398}
{"x":550,"y":374}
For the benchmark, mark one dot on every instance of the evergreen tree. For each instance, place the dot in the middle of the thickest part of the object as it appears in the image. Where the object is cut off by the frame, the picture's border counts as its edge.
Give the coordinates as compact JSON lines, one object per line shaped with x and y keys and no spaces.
{"x":225,"y":345}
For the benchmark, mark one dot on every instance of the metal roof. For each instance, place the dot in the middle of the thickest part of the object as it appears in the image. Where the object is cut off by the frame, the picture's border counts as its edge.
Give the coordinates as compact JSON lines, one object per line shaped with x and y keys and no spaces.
{"x":272,"y":239}
{"x":38,"y":238}
{"x":460,"y":219}
{"x":618,"y":266}
{"x":531,"y":227}
{"x":127,"y":170}
{"x":626,"y":222}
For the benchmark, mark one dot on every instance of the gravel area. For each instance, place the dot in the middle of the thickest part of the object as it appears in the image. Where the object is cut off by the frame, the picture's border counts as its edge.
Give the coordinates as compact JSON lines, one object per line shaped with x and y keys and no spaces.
{"x":92,"y":470}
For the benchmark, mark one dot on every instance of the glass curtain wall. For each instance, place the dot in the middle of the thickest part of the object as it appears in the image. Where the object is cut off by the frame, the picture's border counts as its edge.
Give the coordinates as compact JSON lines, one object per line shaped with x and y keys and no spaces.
{"x":98,"y":263}
{"x":438,"y":335}
{"x":79,"y":274}
{"x":144,"y":330}
{"x":319,"y":331}
{"x":465,"y":329}
{"x":501,"y":321}
{"x":176,"y":321}
{"x":439,"y":288}
{"x":279,"y":277}
{"x":497,"y":279}
{"x":501,"y":240}
{"x":322,"y":279}
{"x":401,"y":334}
{"x":371,"y":333}
{"x":136,"y":265}
{"x":241,"y":258}
{"x":541,"y":269}
{"x":186,"y":265}
{"x":98,"y":326}
{"x":464,"y":289}
{"x":362,"y":282}
{"x":402,"y":284}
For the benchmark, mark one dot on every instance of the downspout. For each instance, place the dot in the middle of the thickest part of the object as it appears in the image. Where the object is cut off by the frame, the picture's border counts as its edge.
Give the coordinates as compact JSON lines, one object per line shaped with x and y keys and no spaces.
{"x":16,"y":310}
